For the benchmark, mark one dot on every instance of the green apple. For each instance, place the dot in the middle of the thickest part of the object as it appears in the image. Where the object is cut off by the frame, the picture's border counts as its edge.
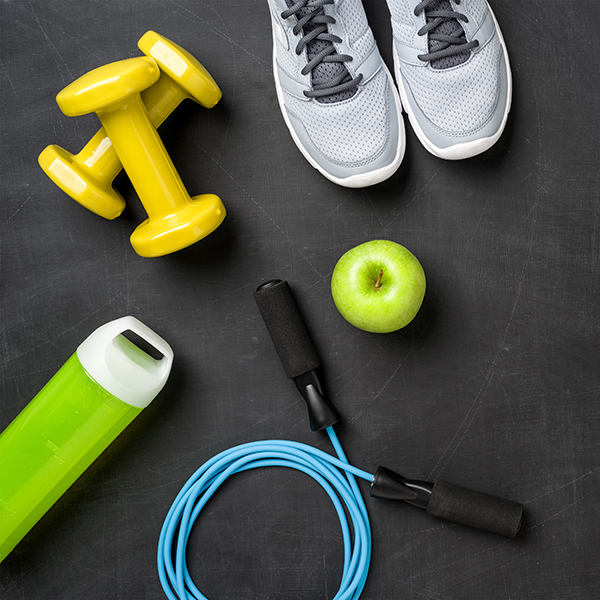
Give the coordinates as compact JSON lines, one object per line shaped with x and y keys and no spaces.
{"x":378,"y":286}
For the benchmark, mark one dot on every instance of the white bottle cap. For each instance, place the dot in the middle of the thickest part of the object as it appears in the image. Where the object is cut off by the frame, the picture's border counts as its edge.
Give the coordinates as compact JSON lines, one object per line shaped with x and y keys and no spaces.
{"x":122,"y":368}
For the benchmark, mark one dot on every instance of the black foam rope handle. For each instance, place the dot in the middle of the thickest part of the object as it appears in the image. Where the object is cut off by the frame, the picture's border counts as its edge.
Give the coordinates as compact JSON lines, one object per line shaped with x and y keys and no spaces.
{"x":286,"y":328}
{"x":475,"y":509}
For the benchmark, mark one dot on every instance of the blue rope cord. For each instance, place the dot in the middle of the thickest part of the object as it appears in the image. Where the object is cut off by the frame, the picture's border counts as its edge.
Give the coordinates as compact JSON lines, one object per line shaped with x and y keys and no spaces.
{"x":335,"y":475}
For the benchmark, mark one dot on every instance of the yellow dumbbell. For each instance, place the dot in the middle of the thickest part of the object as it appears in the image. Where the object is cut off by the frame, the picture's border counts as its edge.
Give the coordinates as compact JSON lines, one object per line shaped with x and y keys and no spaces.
{"x":87,"y":177}
{"x":175,"y":220}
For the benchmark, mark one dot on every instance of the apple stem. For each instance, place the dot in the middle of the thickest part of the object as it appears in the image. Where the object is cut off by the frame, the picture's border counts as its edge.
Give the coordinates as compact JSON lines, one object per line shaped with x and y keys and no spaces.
{"x":378,"y":282}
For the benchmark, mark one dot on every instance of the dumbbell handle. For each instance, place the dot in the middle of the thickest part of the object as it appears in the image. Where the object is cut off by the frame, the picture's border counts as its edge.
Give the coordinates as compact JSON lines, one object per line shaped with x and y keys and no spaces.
{"x":99,"y":155}
{"x":295,"y":349}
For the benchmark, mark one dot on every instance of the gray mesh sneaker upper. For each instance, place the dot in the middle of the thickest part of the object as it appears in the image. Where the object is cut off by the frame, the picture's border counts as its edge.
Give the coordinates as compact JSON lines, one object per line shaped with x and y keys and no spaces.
{"x":459,"y":101}
{"x":452,"y":70}
{"x":348,"y":133}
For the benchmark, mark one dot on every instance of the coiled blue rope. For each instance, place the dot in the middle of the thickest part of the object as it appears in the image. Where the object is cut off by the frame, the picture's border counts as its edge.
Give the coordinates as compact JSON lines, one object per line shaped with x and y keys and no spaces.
{"x":335,"y":475}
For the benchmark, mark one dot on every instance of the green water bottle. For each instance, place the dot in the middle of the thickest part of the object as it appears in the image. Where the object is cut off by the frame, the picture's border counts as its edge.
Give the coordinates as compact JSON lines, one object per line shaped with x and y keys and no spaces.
{"x":79,"y":412}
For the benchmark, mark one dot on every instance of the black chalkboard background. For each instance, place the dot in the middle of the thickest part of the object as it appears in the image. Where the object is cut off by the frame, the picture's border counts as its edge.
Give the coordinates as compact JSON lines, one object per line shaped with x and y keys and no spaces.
{"x":494,"y":386}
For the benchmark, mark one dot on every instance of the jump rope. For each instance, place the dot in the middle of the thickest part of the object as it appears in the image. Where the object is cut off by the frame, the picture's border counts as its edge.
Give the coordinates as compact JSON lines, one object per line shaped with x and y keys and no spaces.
{"x":335,"y":475}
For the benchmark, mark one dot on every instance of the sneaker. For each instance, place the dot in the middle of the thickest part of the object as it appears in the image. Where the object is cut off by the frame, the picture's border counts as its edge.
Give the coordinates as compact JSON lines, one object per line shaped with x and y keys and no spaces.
{"x":337,"y":97}
{"x":453,"y":73}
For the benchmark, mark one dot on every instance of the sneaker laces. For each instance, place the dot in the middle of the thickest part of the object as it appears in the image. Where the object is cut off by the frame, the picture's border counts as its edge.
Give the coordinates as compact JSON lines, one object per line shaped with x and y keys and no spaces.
{"x":331,"y":81}
{"x":448,"y":45}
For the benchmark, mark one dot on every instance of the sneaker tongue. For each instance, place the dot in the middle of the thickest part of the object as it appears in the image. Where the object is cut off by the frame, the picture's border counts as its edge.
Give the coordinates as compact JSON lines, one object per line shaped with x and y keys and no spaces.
{"x":447,"y":27}
{"x":324,"y":71}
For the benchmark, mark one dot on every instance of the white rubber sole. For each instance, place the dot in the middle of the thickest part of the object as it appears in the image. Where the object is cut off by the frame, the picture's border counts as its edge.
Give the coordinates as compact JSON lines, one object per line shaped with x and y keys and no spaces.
{"x":362,"y":179}
{"x":468,"y":149}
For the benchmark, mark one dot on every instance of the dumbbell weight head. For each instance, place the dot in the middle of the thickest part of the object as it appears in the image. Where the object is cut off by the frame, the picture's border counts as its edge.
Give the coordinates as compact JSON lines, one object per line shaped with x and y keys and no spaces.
{"x":164,"y":233}
{"x":108,"y":88}
{"x":182,"y":76}
{"x":175,"y":220}
{"x":87,"y":177}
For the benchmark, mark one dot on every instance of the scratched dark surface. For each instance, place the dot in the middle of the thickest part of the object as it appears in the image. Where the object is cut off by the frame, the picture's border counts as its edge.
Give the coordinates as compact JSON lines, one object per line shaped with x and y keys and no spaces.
{"x":494,"y":386}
